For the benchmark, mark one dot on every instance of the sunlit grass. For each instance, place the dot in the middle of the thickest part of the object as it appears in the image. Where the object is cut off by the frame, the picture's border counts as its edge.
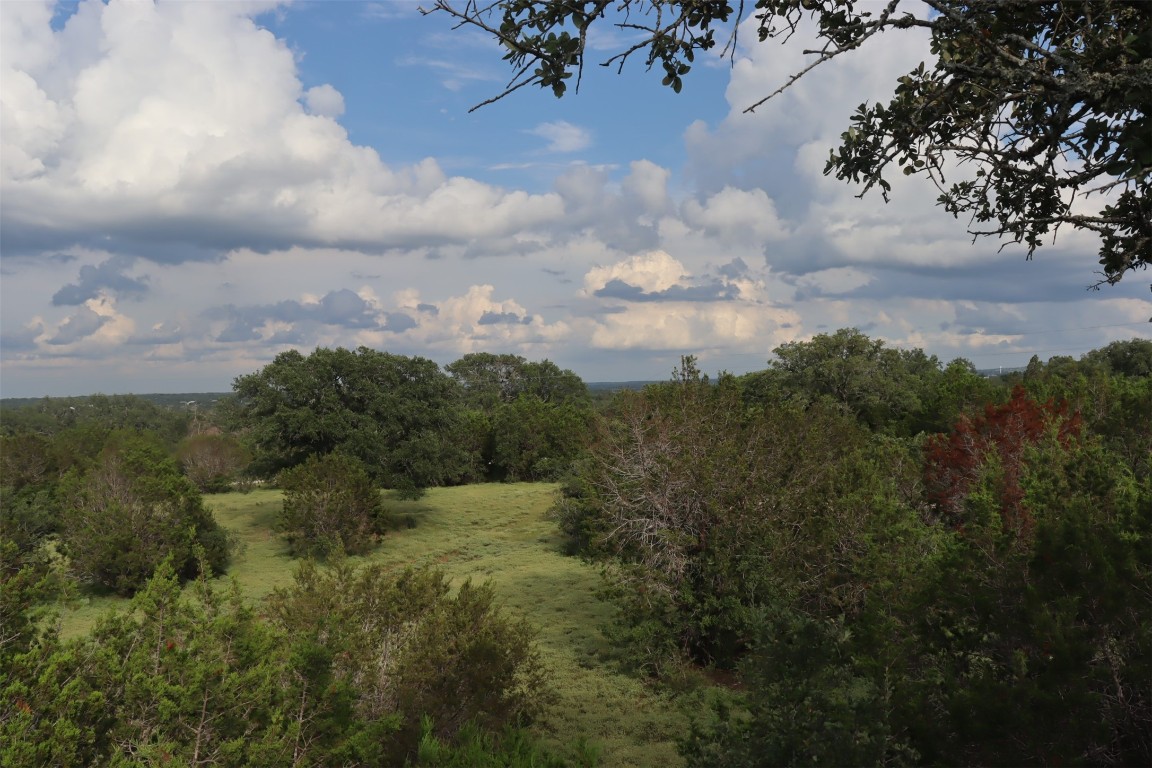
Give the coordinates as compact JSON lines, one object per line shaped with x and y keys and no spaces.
{"x":501,"y":533}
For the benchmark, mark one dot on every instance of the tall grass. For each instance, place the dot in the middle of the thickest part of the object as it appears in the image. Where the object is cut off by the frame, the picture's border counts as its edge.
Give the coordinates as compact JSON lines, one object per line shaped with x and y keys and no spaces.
{"x":498,"y":533}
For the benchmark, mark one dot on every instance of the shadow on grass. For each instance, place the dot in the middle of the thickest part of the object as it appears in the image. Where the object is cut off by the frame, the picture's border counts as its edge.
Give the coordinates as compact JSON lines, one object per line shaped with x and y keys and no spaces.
{"x":401,"y":513}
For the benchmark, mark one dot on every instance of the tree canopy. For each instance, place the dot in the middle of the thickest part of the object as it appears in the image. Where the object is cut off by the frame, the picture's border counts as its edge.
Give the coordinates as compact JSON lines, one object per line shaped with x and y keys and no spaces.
{"x":490,"y":379}
{"x":969,"y":596}
{"x":879,"y":385}
{"x":528,"y":420}
{"x":399,"y":415}
{"x":130,"y":512}
{"x":1040,"y":103}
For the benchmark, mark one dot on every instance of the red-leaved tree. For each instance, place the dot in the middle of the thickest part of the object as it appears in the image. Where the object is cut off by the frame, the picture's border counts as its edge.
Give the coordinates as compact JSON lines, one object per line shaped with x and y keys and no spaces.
{"x":955,"y":463}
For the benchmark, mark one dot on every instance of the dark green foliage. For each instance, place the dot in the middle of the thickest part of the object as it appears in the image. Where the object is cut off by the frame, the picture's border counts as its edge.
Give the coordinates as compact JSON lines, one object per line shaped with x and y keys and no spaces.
{"x":53,"y":415}
{"x":1019,"y":635}
{"x":28,"y":516}
{"x":1125,"y":424}
{"x":527,"y":421}
{"x":575,"y":509}
{"x":476,"y":442}
{"x":177,"y":680}
{"x":1115,"y":406}
{"x":896,"y":391}
{"x":1039,"y":632}
{"x":191,"y":677}
{"x":1125,"y":358}
{"x":883,"y":387}
{"x":25,"y":460}
{"x":406,"y":648}
{"x":50,"y":713}
{"x":398,"y":415}
{"x":490,"y":379}
{"x":536,"y":440}
{"x":812,"y":700}
{"x":30,"y":469}
{"x":331,"y":506}
{"x":956,"y":391}
{"x":27,"y":584}
{"x":710,"y":511}
{"x":76,"y":448}
{"x":990,"y":610}
{"x":129,"y":512}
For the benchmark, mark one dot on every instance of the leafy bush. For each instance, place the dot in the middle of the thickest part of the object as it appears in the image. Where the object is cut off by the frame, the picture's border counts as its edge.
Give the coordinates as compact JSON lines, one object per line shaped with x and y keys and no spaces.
{"x":349,"y":669}
{"x":1035,"y":618}
{"x":131,"y":510}
{"x":706,"y":510}
{"x":331,"y":506}
{"x":27,"y":583}
{"x":25,"y":460}
{"x":182,"y":678}
{"x":536,"y":440}
{"x":406,"y":648}
{"x":812,"y":699}
{"x":28,"y":516}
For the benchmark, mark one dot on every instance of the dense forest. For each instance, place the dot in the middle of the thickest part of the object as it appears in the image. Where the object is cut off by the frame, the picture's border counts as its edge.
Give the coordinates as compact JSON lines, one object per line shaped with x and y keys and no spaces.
{"x":873,"y":556}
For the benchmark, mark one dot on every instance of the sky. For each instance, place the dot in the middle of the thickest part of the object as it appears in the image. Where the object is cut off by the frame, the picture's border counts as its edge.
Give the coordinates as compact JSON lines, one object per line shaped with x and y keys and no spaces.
{"x":188,"y":189}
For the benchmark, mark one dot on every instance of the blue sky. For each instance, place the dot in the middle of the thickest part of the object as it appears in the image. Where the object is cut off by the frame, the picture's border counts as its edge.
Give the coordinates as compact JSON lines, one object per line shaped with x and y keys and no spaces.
{"x":188,"y":189}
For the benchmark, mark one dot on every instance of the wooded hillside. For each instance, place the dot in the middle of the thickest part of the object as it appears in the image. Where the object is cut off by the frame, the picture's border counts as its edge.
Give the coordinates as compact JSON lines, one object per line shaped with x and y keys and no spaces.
{"x":882,"y":558}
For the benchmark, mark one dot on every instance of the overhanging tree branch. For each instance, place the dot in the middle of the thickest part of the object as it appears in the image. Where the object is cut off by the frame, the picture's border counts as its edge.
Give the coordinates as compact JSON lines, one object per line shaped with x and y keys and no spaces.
{"x":1045,"y":100}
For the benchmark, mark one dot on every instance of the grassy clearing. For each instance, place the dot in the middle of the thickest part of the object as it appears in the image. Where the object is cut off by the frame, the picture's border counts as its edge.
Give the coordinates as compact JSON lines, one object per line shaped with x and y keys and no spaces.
{"x":496,"y":532}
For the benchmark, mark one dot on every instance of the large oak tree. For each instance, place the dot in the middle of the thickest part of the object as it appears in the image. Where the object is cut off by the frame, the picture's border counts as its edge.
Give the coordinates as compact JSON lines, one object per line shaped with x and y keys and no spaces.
{"x":399,"y":415}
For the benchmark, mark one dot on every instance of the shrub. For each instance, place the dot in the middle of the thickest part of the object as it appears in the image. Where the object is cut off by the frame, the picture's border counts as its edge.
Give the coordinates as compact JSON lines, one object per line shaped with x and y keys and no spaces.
{"x":337,"y":674}
{"x":410,"y":651}
{"x":130,"y":511}
{"x":330,"y":506}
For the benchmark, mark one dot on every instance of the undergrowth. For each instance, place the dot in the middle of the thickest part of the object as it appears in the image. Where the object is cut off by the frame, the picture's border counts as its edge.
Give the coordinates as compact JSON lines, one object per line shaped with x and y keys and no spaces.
{"x":499,"y":533}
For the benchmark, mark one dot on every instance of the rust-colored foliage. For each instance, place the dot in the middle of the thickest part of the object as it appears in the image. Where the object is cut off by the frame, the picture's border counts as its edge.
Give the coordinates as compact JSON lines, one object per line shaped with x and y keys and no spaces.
{"x":954,"y":462}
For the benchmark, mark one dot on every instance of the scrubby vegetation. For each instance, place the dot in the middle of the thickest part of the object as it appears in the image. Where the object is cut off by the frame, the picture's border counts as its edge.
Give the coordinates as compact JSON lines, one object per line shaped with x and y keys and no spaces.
{"x":888,"y":595}
{"x":341,"y":673}
{"x":330,"y":507}
{"x":858,"y":555}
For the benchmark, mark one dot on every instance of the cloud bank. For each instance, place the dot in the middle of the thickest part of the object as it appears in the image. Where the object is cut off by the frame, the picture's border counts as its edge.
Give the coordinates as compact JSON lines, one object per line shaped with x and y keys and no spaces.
{"x":181,"y":202}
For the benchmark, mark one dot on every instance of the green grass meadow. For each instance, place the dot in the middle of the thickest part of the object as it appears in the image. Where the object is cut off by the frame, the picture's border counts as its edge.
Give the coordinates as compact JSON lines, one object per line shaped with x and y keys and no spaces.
{"x":499,"y":533}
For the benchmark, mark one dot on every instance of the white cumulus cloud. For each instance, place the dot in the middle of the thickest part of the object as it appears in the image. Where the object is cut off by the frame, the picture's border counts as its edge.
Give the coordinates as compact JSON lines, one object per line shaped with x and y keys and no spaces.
{"x":653,"y":272}
{"x":563,"y":136}
{"x":186,"y":123}
{"x":324,"y":100}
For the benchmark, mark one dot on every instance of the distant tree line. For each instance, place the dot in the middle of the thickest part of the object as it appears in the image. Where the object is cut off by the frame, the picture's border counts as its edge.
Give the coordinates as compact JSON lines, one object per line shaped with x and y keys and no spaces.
{"x":117,"y":481}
